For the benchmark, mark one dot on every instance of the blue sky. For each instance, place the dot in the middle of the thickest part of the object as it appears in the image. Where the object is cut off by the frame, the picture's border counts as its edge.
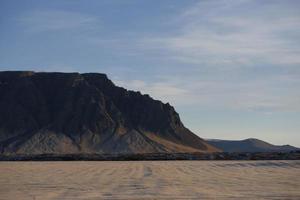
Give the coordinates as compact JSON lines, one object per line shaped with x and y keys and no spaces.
{"x":231,"y":68}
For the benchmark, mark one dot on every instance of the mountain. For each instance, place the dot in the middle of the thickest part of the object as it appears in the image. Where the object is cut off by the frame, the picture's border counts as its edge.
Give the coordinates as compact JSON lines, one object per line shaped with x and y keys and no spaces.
{"x":72,"y":113}
{"x":249,"y":145}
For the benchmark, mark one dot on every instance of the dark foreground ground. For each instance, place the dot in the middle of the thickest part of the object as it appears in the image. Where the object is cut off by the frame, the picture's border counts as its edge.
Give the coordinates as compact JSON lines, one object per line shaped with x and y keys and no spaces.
{"x":294,"y":155}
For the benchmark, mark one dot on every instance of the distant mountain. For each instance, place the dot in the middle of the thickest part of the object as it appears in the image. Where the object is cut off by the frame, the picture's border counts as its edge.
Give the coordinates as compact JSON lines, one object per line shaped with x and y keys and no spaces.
{"x":249,"y":145}
{"x":71,"y":113}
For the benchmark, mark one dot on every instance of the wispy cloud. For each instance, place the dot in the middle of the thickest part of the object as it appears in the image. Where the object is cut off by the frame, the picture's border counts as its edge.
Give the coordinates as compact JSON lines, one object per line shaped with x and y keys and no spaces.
{"x":235,"y":33}
{"x":241,"y":55}
{"x":270,"y":95}
{"x":167,"y":92}
{"x":235,"y":54}
{"x":56,"y":20}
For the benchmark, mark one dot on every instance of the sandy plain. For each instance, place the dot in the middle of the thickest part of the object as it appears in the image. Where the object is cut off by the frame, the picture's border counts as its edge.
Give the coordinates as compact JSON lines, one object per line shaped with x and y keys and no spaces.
{"x":150,"y":180}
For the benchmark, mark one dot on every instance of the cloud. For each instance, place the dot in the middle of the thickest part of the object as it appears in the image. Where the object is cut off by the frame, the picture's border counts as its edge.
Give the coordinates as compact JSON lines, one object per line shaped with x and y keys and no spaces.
{"x":56,"y":20}
{"x":255,"y":96}
{"x":166,"y":92}
{"x":235,"y":54}
{"x":235,"y":33}
{"x":226,"y":54}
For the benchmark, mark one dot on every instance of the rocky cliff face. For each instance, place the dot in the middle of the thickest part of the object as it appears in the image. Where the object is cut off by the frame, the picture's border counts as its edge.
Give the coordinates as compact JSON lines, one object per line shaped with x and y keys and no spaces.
{"x":86,"y":113}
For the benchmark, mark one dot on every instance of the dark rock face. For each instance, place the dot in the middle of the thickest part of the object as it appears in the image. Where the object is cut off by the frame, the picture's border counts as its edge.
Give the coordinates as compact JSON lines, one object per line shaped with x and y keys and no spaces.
{"x":250,"y":145}
{"x":86,"y":113}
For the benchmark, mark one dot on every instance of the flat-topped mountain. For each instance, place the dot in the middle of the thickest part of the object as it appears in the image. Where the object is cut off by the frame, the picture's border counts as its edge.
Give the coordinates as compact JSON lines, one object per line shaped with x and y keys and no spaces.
{"x":250,"y":145}
{"x":86,"y":113}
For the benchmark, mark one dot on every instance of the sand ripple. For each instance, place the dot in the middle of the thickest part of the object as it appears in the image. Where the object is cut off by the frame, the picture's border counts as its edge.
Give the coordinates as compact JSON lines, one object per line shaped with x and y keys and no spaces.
{"x":150,"y":180}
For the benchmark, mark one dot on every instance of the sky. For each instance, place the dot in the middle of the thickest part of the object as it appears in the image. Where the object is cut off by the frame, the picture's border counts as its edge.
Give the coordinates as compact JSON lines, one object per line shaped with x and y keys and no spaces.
{"x":231,"y":68}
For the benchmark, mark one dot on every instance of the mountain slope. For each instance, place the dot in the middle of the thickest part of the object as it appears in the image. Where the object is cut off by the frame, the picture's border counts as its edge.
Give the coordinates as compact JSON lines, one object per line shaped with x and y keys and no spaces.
{"x":86,"y":113}
{"x":249,"y":145}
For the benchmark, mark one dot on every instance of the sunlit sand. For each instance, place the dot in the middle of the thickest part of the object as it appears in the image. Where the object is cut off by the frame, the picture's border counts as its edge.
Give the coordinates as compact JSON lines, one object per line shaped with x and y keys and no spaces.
{"x":150,"y":180}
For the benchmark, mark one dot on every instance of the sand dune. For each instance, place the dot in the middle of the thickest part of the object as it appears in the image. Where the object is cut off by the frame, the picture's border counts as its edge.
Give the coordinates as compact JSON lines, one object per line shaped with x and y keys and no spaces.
{"x":150,"y":180}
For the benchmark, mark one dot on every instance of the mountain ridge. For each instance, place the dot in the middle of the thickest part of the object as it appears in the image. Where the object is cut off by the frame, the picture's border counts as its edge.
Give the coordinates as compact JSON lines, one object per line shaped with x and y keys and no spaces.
{"x":55,"y":112}
{"x":249,"y":145}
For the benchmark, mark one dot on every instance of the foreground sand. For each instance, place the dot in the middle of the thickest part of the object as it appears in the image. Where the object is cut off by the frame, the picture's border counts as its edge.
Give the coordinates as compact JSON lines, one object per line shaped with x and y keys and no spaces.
{"x":150,"y":180}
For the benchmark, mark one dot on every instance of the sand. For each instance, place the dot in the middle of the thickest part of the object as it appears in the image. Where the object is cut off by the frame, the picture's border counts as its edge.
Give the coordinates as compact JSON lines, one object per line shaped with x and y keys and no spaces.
{"x":150,"y":180}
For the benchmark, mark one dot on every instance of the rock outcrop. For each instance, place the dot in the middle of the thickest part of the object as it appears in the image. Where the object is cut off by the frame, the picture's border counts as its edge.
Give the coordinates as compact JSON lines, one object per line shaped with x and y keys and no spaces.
{"x":72,"y":113}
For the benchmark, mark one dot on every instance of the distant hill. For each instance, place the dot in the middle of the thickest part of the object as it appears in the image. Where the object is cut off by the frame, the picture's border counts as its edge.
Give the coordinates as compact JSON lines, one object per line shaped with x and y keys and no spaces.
{"x":72,"y":113}
{"x":249,"y":145}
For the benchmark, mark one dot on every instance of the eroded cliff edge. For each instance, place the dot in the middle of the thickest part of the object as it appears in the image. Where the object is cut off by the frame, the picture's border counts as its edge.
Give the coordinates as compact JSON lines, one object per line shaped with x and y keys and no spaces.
{"x":71,"y":113}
